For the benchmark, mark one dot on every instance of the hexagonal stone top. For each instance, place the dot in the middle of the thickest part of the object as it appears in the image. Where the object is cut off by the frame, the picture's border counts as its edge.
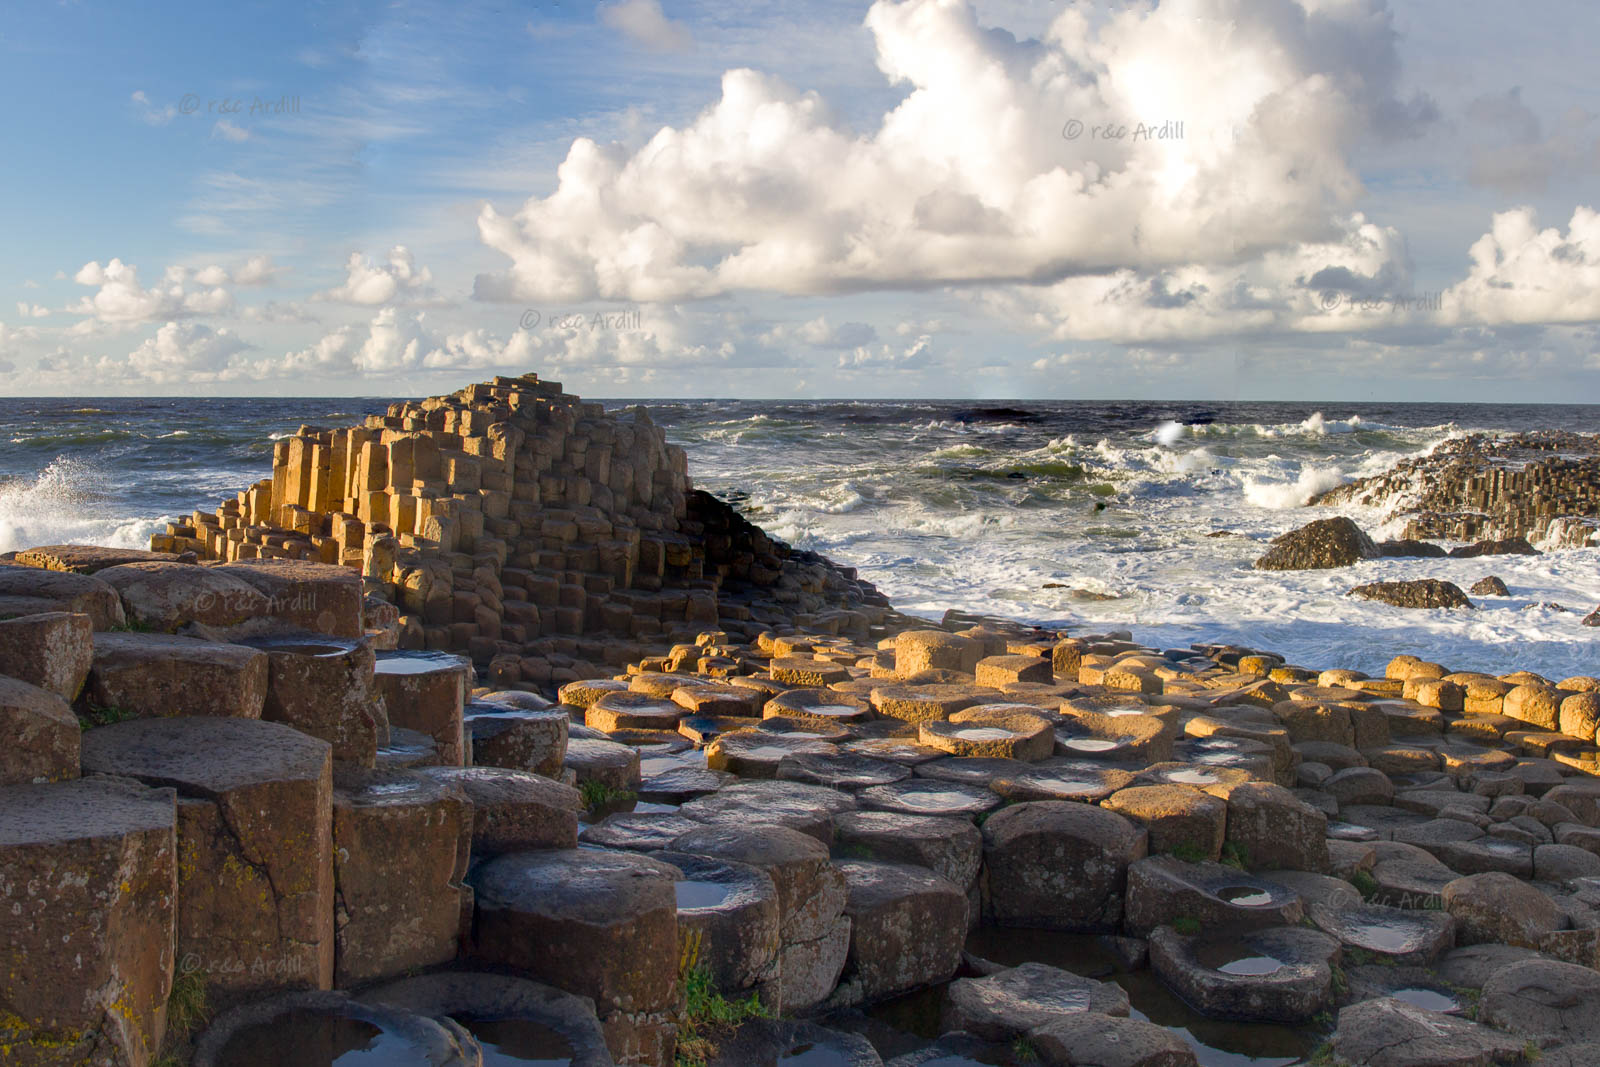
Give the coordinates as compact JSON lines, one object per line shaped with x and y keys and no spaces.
{"x":209,"y":756}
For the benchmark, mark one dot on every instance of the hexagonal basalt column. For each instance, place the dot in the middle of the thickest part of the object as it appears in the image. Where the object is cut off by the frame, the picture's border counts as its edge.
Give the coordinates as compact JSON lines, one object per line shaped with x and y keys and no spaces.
{"x":88,"y":884}
{"x":603,"y":925}
{"x":426,"y":692}
{"x":324,"y":686}
{"x":255,"y":856}
{"x":401,"y":847}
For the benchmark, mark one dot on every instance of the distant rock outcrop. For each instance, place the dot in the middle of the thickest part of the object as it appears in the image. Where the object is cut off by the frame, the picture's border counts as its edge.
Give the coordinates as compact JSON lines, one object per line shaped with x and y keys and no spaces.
{"x":1320,"y":545}
{"x":1542,"y":486}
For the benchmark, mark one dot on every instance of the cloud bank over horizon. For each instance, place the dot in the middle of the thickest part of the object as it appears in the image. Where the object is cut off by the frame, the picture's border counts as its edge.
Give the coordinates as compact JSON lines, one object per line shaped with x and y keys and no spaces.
{"x":1118,"y":201}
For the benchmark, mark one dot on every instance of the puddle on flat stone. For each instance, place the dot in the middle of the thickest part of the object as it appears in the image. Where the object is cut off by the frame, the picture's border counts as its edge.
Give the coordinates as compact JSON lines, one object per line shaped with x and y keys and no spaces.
{"x":935,"y":801}
{"x":1245,"y":896}
{"x":1119,"y":713}
{"x":418,"y":662}
{"x":1252,"y":966}
{"x":1384,"y":935}
{"x":1190,"y":777}
{"x":1089,"y":744}
{"x":319,"y":1040}
{"x":693,"y":894}
{"x":1216,"y":1042}
{"x":1428,"y":999}
{"x":318,"y":651}
{"x":983,"y":733}
{"x":518,"y":1042}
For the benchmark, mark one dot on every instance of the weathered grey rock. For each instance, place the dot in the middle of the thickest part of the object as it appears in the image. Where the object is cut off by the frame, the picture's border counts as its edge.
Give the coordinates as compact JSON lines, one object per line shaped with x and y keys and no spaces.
{"x":87,"y":919}
{"x":1271,"y":827}
{"x":809,"y":970}
{"x":153,"y":675}
{"x":807,"y":808}
{"x":1059,"y":865}
{"x":392,"y":829}
{"x":930,"y":796}
{"x":255,"y":820}
{"x":475,"y":995}
{"x":52,"y":650}
{"x":1386,"y":1032}
{"x":811,"y":891}
{"x":1548,"y":1001}
{"x":164,"y":597}
{"x":324,"y":686}
{"x":1279,"y":974}
{"x":426,"y":692}
{"x":1324,"y":543}
{"x":42,"y":736}
{"x":607,"y":762}
{"x":1091,"y":1040}
{"x":843,"y":771}
{"x":513,"y":810}
{"x":1006,"y":1005}
{"x":519,"y":739}
{"x":602,"y":925}
{"x":1177,"y":817}
{"x":1498,"y":907}
{"x":758,"y":754}
{"x":30,"y":591}
{"x":648,"y":831}
{"x":950,"y":847}
{"x":1410,"y":937}
{"x":302,"y":595}
{"x":1161,"y":889}
{"x":1359,"y":785}
{"x":728,"y":920}
{"x":907,"y":926}
{"x":762,"y":1041}
{"x":1419,"y":593}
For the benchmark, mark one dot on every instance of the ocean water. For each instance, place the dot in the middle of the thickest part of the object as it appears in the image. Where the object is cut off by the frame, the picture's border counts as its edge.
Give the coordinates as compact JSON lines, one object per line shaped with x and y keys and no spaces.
{"x":1090,"y":515}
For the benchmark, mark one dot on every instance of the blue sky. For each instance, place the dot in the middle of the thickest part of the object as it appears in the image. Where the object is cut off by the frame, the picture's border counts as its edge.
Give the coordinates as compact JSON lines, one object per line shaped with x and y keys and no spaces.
{"x":1332,"y":199}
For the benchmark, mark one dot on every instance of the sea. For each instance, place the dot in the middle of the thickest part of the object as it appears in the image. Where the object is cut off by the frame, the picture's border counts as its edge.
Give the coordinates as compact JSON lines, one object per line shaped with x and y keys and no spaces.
{"x":1090,"y":516}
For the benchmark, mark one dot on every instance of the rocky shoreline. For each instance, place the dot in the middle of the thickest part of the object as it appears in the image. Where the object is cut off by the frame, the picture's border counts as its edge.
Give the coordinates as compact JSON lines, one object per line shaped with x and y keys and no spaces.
{"x":302,"y":779}
{"x":1540,"y":487}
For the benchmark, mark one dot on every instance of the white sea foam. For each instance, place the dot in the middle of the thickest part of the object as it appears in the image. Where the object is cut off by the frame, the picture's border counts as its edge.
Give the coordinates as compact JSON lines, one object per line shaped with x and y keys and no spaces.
{"x":61,"y":506}
{"x":1310,"y":482}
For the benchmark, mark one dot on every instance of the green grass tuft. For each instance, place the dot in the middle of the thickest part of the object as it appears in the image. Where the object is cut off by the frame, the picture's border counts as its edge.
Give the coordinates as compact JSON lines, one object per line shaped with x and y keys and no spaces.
{"x":1235,"y":855}
{"x":1024,"y":1052}
{"x":599,"y":795}
{"x":98,"y":716}
{"x":1188,"y":853}
{"x":186,"y":1005}
{"x":1187,"y":925}
{"x":1365,"y":884}
{"x":708,"y":1016}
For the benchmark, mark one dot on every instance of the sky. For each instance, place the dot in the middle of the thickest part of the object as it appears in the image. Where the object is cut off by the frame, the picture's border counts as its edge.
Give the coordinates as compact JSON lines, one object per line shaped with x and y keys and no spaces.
{"x":1197,"y":199}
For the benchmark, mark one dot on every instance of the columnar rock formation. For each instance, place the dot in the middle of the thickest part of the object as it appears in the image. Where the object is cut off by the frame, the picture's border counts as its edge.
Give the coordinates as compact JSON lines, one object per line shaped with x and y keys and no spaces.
{"x":1538,"y":486}
{"x":517,"y":524}
{"x":221,"y":779}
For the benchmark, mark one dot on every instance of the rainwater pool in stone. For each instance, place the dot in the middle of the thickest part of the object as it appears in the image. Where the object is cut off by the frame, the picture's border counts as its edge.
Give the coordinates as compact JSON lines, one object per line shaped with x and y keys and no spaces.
{"x":518,"y":1043}
{"x":693,"y":894}
{"x":1216,"y":1042}
{"x":319,"y":1040}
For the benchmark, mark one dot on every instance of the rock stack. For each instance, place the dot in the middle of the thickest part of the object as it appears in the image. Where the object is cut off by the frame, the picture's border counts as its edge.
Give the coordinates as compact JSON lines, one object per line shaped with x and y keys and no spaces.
{"x":1542,"y":486}
{"x":517,"y":524}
